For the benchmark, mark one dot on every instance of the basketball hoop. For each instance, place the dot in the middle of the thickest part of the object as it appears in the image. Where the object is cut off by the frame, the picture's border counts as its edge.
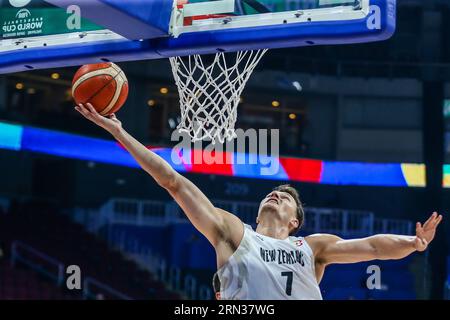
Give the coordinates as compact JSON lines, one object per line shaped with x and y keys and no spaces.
{"x":210,"y":92}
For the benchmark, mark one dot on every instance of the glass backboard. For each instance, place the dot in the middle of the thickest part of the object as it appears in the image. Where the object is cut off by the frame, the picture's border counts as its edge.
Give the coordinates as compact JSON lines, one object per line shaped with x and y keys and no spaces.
{"x":203,"y":15}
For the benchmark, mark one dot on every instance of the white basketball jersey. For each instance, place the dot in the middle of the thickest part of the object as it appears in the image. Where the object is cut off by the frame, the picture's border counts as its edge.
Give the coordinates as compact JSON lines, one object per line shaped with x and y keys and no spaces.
{"x":264,"y":268}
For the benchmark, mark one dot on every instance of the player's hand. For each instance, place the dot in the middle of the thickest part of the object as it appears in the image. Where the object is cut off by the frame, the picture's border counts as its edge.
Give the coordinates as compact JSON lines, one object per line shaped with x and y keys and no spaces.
{"x":425,"y":234}
{"x":110,"y":123}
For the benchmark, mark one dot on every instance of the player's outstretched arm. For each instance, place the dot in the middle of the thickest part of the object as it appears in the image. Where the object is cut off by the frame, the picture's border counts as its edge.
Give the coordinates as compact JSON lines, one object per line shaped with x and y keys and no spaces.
{"x":218,"y":226}
{"x":329,"y":249}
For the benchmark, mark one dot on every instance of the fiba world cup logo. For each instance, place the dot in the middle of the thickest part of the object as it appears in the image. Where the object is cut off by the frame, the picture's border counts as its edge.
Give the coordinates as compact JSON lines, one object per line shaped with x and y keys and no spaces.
{"x":23,"y":14}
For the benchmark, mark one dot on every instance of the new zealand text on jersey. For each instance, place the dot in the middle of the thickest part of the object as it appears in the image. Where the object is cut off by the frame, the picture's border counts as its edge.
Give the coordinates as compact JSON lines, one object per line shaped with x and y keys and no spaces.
{"x":282,"y":256}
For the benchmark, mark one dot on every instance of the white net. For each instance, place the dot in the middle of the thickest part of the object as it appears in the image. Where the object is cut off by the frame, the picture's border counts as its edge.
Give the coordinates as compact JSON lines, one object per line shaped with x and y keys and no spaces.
{"x":210,"y":92}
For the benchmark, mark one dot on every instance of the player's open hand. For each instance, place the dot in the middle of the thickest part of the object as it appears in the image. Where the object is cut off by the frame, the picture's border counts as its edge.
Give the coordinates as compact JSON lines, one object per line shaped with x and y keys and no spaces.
{"x":425,"y":233}
{"x":110,"y":123}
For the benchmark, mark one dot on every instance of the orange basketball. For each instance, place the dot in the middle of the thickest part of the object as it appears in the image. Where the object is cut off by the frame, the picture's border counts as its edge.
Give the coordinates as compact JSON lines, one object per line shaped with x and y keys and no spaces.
{"x":104,"y":85}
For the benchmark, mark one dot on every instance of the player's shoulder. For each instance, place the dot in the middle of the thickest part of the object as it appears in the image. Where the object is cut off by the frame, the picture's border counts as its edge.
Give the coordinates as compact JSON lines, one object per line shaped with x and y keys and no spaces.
{"x":320,"y":239}
{"x":229,"y":218}
{"x":321,"y":236}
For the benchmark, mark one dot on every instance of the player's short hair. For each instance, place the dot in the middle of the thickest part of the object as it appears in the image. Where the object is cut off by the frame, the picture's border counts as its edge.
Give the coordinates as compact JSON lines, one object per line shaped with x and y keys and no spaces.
{"x":216,"y":283}
{"x":300,"y":211}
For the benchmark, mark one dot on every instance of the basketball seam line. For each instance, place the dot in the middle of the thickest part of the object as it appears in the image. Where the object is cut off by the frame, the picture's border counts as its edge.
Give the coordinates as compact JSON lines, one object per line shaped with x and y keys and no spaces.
{"x":96,"y":92}
{"x":117,"y":87}
{"x":116,"y":96}
{"x":99,"y":90}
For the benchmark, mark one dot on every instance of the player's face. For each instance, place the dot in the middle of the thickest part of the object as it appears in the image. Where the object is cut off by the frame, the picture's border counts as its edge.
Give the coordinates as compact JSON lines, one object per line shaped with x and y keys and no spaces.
{"x":280,"y":203}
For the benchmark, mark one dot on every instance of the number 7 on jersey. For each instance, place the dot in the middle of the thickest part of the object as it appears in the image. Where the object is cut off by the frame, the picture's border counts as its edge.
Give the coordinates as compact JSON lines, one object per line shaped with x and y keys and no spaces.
{"x":290,"y":277}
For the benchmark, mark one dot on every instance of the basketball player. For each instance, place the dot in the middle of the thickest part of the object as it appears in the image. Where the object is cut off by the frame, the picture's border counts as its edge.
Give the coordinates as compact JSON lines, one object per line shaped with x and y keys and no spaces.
{"x":269,"y":263}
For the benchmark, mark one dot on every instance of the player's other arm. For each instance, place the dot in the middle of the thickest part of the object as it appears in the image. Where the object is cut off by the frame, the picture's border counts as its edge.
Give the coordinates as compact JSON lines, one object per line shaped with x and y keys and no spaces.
{"x":216,"y":225}
{"x":329,"y":249}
